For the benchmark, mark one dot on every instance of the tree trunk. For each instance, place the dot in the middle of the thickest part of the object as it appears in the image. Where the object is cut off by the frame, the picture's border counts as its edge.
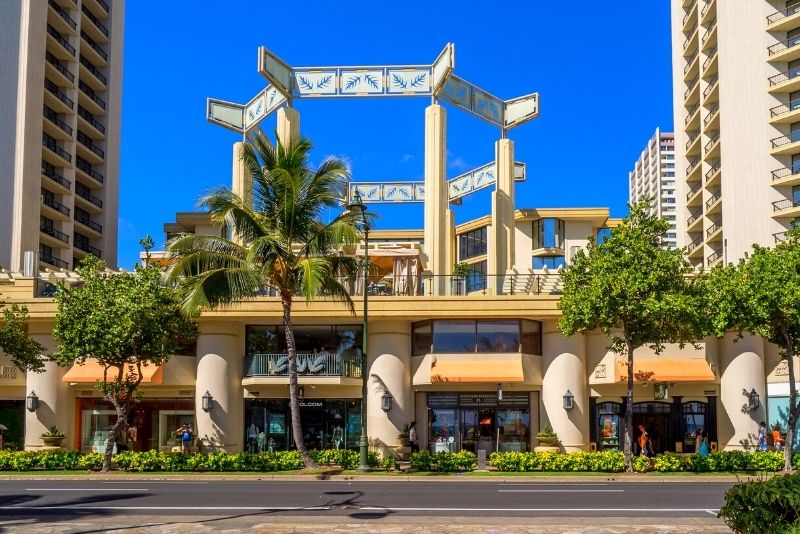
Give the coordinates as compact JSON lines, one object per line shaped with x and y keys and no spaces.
{"x":629,"y":409}
{"x":122,"y":418}
{"x":794,"y":408}
{"x":294,"y":400}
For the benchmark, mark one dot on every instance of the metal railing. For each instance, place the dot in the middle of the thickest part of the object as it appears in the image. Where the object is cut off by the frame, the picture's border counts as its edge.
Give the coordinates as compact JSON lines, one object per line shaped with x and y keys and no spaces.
{"x":711,"y":142}
{"x":59,"y":66}
{"x":712,"y":84}
{"x":779,"y":237}
{"x":55,"y":262}
{"x":693,"y":164}
{"x":82,"y":243}
{"x":690,"y":85}
{"x":712,"y":25}
{"x":88,"y":117}
{"x":56,"y":91}
{"x":714,"y":197}
{"x":690,"y":62}
{"x":64,"y":15}
{"x":714,"y":256}
{"x":56,"y":205}
{"x":712,"y":111}
{"x":84,"y":219}
{"x":95,"y":20}
{"x":55,"y":34}
{"x":694,"y":190}
{"x":53,"y":117}
{"x":706,"y":6}
{"x":88,"y":91}
{"x":694,"y":244}
{"x":691,"y":35}
{"x":784,"y":108}
{"x":86,"y":167}
{"x":783,"y":76}
{"x":714,"y":168}
{"x":693,"y":136}
{"x":780,"y":46}
{"x":51,"y":143}
{"x":320,"y":364}
{"x":87,"y":141}
{"x":786,"y":203}
{"x":777,"y":174}
{"x":782,"y":140}
{"x":49,"y":170}
{"x":86,"y":193}
{"x":693,"y":218}
{"x":690,"y":112}
{"x":782,"y":14}
{"x":94,"y":70}
{"x":716,"y":225}
{"x":711,"y":55}
{"x":104,"y":5}
{"x":52,"y":232}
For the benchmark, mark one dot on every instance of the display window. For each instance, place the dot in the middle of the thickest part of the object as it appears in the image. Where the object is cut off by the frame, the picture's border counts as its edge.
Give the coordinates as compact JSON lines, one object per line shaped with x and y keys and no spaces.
{"x":608,"y":425}
{"x":694,"y":419}
{"x":12,"y":416}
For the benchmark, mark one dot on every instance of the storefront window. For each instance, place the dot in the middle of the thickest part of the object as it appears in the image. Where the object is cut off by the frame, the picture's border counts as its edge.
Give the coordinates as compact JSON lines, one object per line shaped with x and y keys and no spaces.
{"x":309,"y":339}
{"x":12,"y":416}
{"x":608,"y":425}
{"x":95,"y":426}
{"x":422,"y":337}
{"x":471,"y":336}
{"x":454,"y":336}
{"x":498,"y":336}
{"x":169,"y":421}
{"x":531,"y":337}
{"x":694,"y":418}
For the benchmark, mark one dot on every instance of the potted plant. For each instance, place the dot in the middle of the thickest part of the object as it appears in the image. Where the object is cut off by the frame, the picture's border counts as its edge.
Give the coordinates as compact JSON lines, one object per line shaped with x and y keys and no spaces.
{"x":53,"y":437}
{"x":403,"y":435}
{"x":460,"y":271}
{"x":546,"y":437}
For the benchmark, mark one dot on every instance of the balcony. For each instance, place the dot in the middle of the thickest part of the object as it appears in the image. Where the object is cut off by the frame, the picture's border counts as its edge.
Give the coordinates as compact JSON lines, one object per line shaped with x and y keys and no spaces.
{"x":785,"y":113}
{"x":779,"y":237}
{"x":785,"y":82}
{"x":690,"y":44}
{"x":689,"y":21}
{"x":96,"y":25}
{"x":99,"y":77}
{"x":51,"y":144}
{"x":99,"y":5}
{"x":692,"y":115}
{"x":65,"y":102}
{"x":692,"y":222}
{"x":61,"y":70}
{"x":710,"y":36}
{"x":93,"y":51}
{"x":710,"y":64}
{"x":50,"y":171}
{"x":711,"y":149}
{"x":83,"y":192}
{"x":692,"y":90}
{"x":84,"y":219}
{"x":785,"y":208}
{"x":708,"y":11}
{"x":711,"y":120}
{"x":787,"y":50}
{"x":785,"y":145}
{"x":56,"y":206}
{"x":92,"y":100}
{"x":692,"y":167}
{"x":693,"y":143}
{"x":711,"y":92}
{"x":81,"y":243}
{"x":784,"y":20}
{"x":54,"y":261}
{"x":61,"y":128}
{"x":62,"y":41}
{"x":694,"y":245}
{"x":715,"y":230}
{"x":691,"y":69}
{"x":85,"y":168}
{"x":64,"y":20}
{"x":713,"y":202}
{"x":693,"y":193}
{"x":714,"y":258}
{"x":786,"y":176}
{"x":86,"y":141}
{"x":90,"y":120}
{"x":324,"y":364}
{"x":48,"y":229}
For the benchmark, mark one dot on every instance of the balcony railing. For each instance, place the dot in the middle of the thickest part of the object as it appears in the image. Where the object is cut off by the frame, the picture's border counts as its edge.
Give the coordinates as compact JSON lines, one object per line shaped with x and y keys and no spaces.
{"x":782,"y":14}
{"x":54,"y":89}
{"x":104,"y":5}
{"x":714,"y":168}
{"x":711,"y":27}
{"x":56,"y":205}
{"x":86,"y":247}
{"x":86,"y":167}
{"x":783,"y":45}
{"x":777,"y":174}
{"x":95,"y":20}
{"x":85,"y":193}
{"x":64,"y":15}
{"x":779,"y":237}
{"x":88,"y":117}
{"x":86,"y":141}
{"x":61,"y":39}
{"x":712,"y":82}
{"x":693,"y":218}
{"x":321,"y":364}
{"x":59,"y":66}
{"x":85,"y":220}
{"x":52,"y":232}
{"x":690,"y":85}
{"x":94,"y":70}
{"x":716,"y":225}
{"x":693,"y":163}
{"x":783,"y":76}
{"x":784,"y":108}
{"x":53,"y":117}
{"x":786,"y":203}
{"x":88,"y":91}
{"x":55,"y":262}
{"x":50,"y":171}
{"x":782,"y":140}
{"x":693,"y":191}
{"x":94,"y":46}
{"x":711,"y":54}
{"x":691,"y":111}
{"x":712,"y":140}
{"x":51,"y":143}
{"x":712,"y":110}
{"x":692,"y":137}
{"x":706,"y":7}
{"x":694,"y":244}
{"x":714,"y":197}
{"x":714,"y":256}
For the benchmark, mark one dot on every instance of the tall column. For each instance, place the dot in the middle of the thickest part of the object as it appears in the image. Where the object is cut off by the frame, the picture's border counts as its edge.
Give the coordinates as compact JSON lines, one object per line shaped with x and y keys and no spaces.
{"x":242,"y":181}
{"x":741,"y":369}
{"x":220,"y":363}
{"x":501,"y":258}
{"x":54,"y":396}
{"x":389,"y":365}
{"x":564,"y":366}
{"x":288,"y":125}
{"x":436,"y":196}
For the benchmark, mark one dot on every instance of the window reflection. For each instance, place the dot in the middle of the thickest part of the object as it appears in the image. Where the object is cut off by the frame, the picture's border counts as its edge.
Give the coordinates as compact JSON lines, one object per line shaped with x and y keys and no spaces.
{"x":481,"y":336}
{"x":548,"y":233}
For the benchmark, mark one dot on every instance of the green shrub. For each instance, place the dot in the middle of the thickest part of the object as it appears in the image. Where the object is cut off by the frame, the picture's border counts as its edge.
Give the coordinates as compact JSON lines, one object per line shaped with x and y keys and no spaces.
{"x":421,"y":461}
{"x":670,"y":463}
{"x":58,"y":460}
{"x":444,"y":462}
{"x":767,"y":460}
{"x":91,"y":460}
{"x":771,"y":505}
{"x":388,"y":463}
{"x":640,"y":464}
{"x":23,"y":461}
{"x":606,"y":461}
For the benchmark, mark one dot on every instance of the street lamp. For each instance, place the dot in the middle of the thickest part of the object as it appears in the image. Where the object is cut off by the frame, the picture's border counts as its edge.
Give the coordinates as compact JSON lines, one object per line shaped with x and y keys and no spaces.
{"x":357,"y":207}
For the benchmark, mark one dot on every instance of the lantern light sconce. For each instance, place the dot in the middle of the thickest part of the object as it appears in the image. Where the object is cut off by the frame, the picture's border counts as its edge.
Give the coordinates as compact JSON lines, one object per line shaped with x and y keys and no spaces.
{"x":301,"y":393}
{"x":208,"y":402}
{"x":499,"y":392}
{"x":386,"y":401}
{"x":569,"y":400}
{"x":32,"y":402}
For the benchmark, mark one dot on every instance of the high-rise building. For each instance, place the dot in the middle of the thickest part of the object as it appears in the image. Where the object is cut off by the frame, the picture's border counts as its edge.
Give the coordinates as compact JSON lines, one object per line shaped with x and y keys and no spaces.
{"x":653,"y":177}
{"x":737,"y":124}
{"x":60,"y":91}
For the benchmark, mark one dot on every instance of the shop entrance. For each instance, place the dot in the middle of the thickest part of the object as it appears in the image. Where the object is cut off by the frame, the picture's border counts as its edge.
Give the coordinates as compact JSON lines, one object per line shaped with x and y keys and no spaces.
{"x":655,"y":417}
{"x":12,"y":416}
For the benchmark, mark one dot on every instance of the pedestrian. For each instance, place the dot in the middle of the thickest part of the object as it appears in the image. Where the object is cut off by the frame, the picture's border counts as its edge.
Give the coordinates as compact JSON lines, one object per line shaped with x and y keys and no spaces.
{"x":777,"y":437}
{"x":412,"y":436}
{"x":644,"y":442}
{"x":185,"y":434}
{"x":698,"y":439}
{"x":762,"y":436}
{"x":705,"y":450}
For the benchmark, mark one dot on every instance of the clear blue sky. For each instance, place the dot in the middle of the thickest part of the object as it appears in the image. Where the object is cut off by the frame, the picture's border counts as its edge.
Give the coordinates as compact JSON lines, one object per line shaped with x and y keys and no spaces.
{"x":603,"y":71}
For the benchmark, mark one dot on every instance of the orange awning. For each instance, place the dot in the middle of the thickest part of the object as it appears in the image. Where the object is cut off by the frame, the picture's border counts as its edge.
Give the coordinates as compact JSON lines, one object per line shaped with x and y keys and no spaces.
{"x":473,"y":370}
{"x":665,"y":370}
{"x":91,"y":371}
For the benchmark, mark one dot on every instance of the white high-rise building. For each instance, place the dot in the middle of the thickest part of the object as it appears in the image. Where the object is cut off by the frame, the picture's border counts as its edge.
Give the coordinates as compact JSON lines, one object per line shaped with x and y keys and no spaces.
{"x":736,"y":96}
{"x":60,"y":92}
{"x":653,"y":177}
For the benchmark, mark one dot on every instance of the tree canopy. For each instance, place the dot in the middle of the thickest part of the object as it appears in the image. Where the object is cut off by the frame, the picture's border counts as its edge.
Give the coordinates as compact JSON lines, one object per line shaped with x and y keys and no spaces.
{"x":25,"y":353}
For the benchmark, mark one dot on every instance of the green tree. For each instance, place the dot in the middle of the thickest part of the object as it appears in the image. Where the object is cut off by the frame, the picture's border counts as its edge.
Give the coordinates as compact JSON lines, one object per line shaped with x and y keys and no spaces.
{"x":761,"y":295}
{"x":279,"y":241}
{"x":633,"y":290}
{"x":25,"y":353}
{"x":124,"y":321}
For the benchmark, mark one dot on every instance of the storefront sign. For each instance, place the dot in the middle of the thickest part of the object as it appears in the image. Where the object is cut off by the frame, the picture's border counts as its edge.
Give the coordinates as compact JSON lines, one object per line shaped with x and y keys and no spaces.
{"x":8,"y":372}
{"x":309,"y":404}
{"x":660,"y":391}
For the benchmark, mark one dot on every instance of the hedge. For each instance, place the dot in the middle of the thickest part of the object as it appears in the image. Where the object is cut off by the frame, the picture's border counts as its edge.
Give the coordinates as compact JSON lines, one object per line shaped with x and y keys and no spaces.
{"x":444,"y":462}
{"x":764,"y":506}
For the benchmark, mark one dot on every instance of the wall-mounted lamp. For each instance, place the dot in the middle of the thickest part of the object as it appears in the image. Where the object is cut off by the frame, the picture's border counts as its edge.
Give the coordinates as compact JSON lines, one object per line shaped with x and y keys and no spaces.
{"x":32,"y":402}
{"x":753,"y":401}
{"x":569,"y":400}
{"x":499,"y":392}
{"x":301,"y":393}
{"x":208,"y":402}
{"x":386,"y":401}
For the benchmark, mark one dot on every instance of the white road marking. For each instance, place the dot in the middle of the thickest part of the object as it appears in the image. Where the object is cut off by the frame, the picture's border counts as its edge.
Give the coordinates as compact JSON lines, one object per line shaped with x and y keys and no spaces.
{"x":367,"y":508}
{"x":554,"y":484}
{"x":86,"y":489}
{"x":560,"y":491}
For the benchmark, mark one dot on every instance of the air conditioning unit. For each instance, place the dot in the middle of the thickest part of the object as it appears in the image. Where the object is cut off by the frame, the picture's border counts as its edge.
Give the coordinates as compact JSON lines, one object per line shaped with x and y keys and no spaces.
{"x":30,"y":264}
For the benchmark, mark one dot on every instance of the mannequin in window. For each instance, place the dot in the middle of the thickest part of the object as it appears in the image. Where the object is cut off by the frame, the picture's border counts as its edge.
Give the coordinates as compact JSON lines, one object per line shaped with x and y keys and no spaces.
{"x":252,"y":437}
{"x":262,"y":441}
{"x":338,"y":436}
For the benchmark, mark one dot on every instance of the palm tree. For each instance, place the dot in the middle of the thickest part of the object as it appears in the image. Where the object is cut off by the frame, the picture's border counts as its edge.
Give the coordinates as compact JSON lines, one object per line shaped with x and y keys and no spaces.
{"x":278,"y":242}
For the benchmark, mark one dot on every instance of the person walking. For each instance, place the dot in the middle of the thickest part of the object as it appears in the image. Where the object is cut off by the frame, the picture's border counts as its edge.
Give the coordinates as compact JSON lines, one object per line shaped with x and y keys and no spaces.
{"x":185,"y":435}
{"x":705,"y":450}
{"x":777,"y":437}
{"x":644,"y":442}
{"x":412,"y":437}
{"x":762,"y":436}
{"x":698,"y":439}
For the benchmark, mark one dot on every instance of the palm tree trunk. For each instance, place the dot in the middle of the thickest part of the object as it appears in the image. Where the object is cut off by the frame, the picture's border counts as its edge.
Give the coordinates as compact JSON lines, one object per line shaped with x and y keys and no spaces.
{"x":294,"y":400}
{"x":629,"y":410}
{"x":794,"y":408}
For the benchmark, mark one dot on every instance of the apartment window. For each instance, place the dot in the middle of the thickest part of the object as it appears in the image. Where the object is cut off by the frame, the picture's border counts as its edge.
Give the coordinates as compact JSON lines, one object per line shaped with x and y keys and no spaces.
{"x":795,"y":163}
{"x":669,"y":174}
{"x":669,"y":165}
{"x":45,"y":251}
{"x":472,"y":244}
{"x":668,"y":157}
{"x":793,"y":37}
{"x":476,"y":277}
{"x":548,"y":233}
{"x":796,"y":195}
{"x":603,"y":234}
{"x":551,"y":262}
{"x":794,"y":68}
{"x":795,"y":132}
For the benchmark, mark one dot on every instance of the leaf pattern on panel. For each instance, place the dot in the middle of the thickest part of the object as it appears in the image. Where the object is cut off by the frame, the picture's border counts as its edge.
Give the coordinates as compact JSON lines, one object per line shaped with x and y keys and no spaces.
{"x":398,"y":81}
{"x":417,"y":81}
{"x":322,"y":83}
{"x":354,"y":81}
{"x":371,"y":81}
{"x":304,"y":83}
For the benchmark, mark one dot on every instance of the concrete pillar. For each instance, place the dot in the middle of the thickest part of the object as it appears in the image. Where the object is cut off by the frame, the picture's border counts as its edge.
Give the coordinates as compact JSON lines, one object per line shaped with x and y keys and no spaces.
{"x":501,"y":256}
{"x":220,"y":363}
{"x":288,"y":125}
{"x":741,"y":369}
{"x":564,"y":366}
{"x":242,"y":181}
{"x":54,"y":396}
{"x":436,"y":195}
{"x":389,"y":364}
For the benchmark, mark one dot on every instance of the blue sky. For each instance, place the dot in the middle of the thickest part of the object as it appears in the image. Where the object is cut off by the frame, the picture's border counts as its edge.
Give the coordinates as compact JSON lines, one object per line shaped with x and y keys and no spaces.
{"x":603,"y":71}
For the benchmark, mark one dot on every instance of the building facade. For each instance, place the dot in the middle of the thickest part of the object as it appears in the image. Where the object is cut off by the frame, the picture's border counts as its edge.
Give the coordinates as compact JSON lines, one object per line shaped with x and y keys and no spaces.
{"x":60,"y":103}
{"x":653,"y":177}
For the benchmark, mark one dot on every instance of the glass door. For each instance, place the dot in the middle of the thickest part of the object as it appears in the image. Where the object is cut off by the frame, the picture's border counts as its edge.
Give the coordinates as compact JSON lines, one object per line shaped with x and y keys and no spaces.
{"x":469,"y":429}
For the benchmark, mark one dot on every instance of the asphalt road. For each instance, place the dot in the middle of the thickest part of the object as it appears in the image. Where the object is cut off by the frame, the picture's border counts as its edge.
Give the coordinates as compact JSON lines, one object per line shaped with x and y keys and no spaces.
{"x":362,"y":500}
